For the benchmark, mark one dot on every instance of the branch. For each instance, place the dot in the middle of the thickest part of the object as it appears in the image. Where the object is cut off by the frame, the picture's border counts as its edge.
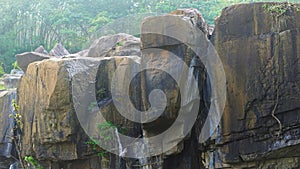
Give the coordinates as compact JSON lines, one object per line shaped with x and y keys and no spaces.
{"x":273,"y":112}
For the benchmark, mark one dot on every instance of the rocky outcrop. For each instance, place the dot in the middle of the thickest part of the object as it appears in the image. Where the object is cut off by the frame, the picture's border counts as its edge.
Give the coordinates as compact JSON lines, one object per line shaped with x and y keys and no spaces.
{"x":12,"y":80}
{"x":59,"y":50}
{"x":260,"y":53}
{"x":53,"y":132}
{"x":115,"y":45}
{"x":163,"y":49}
{"x":67,"y":103}
{"x":56,"y":101}
{"x":25,"y":59}
{"x":41,"y":50}
{"x":7,"y":125}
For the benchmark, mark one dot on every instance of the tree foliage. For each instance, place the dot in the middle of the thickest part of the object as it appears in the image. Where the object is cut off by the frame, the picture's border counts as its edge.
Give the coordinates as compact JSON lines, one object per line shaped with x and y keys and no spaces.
{"x":27,"y":24}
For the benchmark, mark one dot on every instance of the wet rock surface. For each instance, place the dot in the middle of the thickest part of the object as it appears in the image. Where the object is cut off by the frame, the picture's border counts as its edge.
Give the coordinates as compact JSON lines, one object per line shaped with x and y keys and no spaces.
{"x":260,"y":54}
{"x":7,"y":125}
{"x":161,"y":46}
{"x":260,"y":126}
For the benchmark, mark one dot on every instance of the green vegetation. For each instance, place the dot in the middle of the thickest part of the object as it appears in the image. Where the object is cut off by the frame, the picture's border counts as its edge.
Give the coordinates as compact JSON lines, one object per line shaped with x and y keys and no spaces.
{"x":2,"y":72}
{"x":280,"y":9}
{"x":16,"y":66}
{"x":17,"y":129}
{"x":33,"y":162}
{"x":101,"y":93}
{"x":27,"y":24}
{"x":105,"y":130}
{"x":17,"y":117}
{"x":2,"y":87}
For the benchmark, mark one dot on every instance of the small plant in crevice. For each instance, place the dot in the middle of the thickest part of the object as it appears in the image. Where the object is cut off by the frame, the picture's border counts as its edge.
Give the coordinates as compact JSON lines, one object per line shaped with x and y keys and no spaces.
{"x":2,"y":87}
{"x":101,"y":93}
{"x":280,"y":9}
{"x":17,"y":117}
{"x":105,"y":136}
{"x":17,"y":130}
{"x":16,"y":66}
{"x":95,"y":147}
{"x":32,"y":162}
{"x":119,"y":44}
{"x":92,"y":106}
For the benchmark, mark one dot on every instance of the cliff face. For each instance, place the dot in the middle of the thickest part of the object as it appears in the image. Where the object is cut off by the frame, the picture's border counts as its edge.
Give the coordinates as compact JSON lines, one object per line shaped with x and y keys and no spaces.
{"x":6,"y":128}
{"x":70,"y":103}
{"x":260,"y":52}
{"x":63,"y":99}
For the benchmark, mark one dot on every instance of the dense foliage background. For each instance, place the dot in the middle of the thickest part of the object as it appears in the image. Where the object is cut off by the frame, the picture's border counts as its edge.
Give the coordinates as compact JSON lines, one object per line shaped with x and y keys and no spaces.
{"x":27,"y":24}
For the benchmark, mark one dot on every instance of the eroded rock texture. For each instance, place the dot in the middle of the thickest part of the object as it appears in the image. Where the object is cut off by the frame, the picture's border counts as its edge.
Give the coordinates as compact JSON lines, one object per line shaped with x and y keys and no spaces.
{"x":26,"y":58}
{"x":58,"y":50}
{"x":7,"y":125}
{"x":55,"y":123}
{"x":260,"y":53}
{"x":115,"y":45}
{"x":54,"y":135}
{"x":260,"y":126}
{"x":172,"y":38}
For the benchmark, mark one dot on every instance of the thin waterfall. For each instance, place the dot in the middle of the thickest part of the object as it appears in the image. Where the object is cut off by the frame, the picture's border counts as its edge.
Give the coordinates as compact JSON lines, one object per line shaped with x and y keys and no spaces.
{"x":120,"y":147}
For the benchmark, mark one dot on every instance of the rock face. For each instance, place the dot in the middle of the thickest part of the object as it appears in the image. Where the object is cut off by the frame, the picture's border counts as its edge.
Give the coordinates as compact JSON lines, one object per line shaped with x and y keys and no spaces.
{"x":25,"y":59}
{"x":41,"y":50}
{"x":59,"y":50}
{"x":260,"y":52}
{"x":115,"y":45}
{"x":61,"y":99}
{"x":7,"y":125}
{"x":163,"y":48}
{"x":52,"y":129}
{"x":55,"y":123}
{"x":12,"y":80}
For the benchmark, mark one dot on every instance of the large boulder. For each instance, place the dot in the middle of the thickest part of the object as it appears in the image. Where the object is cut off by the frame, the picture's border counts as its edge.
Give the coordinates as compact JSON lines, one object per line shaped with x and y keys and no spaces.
{"x":54,"y":121}
{"x":26,"y":58}
{"x":115,"y":45}
{"x":260,"y":52}
{"x":167,"y":41}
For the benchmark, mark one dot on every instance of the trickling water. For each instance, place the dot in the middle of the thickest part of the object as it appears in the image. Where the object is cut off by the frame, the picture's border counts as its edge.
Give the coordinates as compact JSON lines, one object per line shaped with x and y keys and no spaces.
{"x":119,"y":142}
{"x":120,"y":147}
{"x":191,"y":84}
{"x":144,"y":162}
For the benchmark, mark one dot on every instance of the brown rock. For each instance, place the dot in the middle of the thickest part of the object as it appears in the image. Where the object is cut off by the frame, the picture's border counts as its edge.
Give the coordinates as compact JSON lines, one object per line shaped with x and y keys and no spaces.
{"x":6,"y":128}
{"x":195,"y":17}
{"x":260,"y":54}
{"x":115,"y":45}
{"x":52,"y":131}
{"x":163,"y":37}
{"x":45,"y":103}
{"x":59,"y":50}
{"x":41,"y":50}
{"x":25,"y":59}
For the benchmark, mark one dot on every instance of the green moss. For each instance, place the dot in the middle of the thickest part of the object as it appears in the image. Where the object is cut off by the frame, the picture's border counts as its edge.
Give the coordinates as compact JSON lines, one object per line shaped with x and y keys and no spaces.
{"x":33,"y":162}
{"x":280,"y":9}
{"x":2,"y":87}
{"x":104,"y":136}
